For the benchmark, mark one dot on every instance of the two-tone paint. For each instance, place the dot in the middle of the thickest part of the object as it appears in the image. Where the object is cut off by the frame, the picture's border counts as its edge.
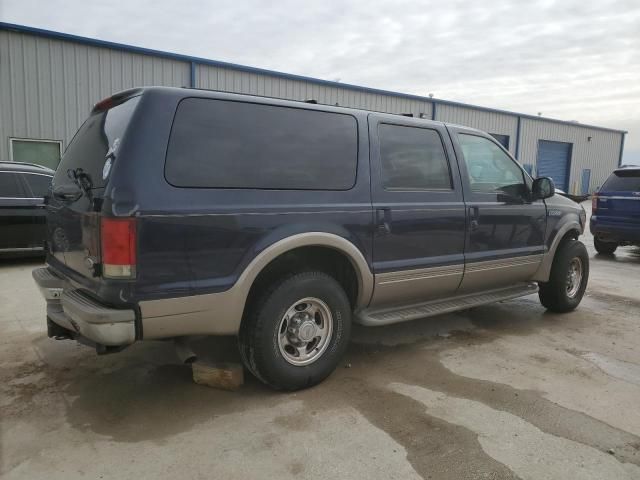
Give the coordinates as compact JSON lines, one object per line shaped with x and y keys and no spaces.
{"x":200,"y":249}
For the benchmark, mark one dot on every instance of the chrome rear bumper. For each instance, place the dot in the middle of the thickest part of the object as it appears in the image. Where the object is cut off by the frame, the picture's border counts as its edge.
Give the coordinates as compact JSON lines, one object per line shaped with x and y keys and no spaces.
{"x":76,"y":312}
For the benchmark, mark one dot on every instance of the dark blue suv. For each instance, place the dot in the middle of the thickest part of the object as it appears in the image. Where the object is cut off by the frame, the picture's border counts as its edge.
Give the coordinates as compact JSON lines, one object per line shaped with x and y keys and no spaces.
{"x":179,"y":212}
{"x":615,"y":215}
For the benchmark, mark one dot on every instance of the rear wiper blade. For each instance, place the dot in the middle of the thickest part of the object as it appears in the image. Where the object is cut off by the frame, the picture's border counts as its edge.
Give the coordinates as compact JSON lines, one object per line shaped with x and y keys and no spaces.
{"x":82,"y":180}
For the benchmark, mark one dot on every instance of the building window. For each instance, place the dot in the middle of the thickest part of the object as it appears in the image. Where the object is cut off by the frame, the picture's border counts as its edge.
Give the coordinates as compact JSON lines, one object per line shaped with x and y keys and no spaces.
{"x":502,"y":139}
{"x":42,"y":152}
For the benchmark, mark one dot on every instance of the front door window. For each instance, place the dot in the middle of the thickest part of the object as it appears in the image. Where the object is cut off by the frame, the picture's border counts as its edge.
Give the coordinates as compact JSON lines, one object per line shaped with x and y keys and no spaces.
{"x":490,"y":169}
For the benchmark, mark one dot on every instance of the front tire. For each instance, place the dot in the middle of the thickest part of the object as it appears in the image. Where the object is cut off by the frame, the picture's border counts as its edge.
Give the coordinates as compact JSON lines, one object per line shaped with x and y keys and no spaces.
{"x":604,"y":248}
{"x":295,"y":333}
{"x":568,"y":279}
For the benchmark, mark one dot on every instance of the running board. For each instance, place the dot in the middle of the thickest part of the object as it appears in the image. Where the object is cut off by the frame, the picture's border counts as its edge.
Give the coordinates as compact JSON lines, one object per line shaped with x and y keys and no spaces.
{"x":384,"y":316}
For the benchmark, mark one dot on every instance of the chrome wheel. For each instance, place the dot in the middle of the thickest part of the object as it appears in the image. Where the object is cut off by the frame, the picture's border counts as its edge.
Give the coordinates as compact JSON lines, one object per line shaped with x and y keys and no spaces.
{"x":574,"y":277}
{"x":305,"y":331}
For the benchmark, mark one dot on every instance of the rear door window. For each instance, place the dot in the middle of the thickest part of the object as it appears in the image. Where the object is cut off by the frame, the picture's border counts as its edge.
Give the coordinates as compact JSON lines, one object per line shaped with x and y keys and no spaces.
{"x":10,"y":185}
{"x":102,"y":131}
{"x":412,"y":159}
{"x":623,"y":181}
{"x":225,"y":144}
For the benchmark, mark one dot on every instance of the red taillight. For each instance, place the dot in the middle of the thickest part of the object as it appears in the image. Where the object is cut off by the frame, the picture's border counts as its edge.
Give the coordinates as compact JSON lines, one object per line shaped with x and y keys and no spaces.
{"x":594,"y":203}
{"x":118,"y":237}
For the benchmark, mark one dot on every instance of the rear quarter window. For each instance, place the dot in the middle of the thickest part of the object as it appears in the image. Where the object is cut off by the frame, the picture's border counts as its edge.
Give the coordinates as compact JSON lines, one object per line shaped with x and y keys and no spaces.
{"x":623,"y":181}
{"x":226,"y":144}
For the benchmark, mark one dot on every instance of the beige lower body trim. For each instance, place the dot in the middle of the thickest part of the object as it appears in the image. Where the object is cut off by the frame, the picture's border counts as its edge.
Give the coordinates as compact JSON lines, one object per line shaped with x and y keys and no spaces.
{"x":486,"y":275}
{"x":420,"y":285}
{"x":221,"y":313}
{"x":211,"y":314}
{"x":415,"y":285}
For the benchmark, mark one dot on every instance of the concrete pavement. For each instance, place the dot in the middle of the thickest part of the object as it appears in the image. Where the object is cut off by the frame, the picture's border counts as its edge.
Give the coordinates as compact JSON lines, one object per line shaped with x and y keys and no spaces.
{"x":498,"y":392}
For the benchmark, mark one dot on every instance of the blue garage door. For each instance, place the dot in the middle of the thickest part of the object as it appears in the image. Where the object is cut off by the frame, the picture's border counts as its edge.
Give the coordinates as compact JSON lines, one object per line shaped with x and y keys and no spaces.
{"x":553,"y":161}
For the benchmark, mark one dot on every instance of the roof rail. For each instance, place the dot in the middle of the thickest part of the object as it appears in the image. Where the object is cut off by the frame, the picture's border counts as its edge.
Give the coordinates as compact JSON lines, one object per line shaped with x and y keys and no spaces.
{"x":11,"y":162}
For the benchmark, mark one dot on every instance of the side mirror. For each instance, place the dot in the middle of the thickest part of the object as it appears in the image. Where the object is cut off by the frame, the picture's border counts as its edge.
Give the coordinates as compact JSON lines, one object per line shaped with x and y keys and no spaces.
{"x":542,"y":188}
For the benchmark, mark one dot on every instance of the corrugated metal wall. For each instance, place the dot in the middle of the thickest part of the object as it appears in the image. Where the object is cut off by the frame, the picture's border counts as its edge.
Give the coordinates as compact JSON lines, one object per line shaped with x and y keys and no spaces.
{"x":600,"y":154}
{"x":48,"y":86}
{"x":228,"y":80}
{"x":491,"y":122}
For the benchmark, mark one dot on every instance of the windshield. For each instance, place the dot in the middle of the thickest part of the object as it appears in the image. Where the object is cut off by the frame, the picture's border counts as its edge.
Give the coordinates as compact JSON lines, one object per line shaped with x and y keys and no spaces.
{"x":97,"y":138}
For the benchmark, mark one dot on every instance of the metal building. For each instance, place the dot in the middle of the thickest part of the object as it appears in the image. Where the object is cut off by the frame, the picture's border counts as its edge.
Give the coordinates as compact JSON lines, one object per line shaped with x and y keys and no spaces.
{"x":49,"y":81}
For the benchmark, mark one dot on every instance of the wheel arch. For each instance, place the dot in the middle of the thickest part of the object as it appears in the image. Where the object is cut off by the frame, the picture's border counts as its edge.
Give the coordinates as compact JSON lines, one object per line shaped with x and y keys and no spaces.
{"x":570,"y":229}
{"x":277,"y":250}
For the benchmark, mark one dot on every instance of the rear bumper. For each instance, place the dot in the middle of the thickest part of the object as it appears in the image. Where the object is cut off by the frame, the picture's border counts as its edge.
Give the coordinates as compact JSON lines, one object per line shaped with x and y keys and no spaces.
{"x":614,"y":231}
{"x":83,"y":316}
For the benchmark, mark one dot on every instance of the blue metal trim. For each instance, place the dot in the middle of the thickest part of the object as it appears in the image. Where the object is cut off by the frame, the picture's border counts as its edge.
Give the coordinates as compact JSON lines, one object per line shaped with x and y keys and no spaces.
{"x":433,"y":109}
{"x":192,"y":75}
{"x":204,"y":61}
{"x":518,"y":138}
{"x":621,"y":149}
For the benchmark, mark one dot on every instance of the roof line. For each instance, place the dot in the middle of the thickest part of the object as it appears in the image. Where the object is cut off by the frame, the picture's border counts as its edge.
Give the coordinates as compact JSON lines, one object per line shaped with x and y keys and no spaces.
{"x":205,"y":61}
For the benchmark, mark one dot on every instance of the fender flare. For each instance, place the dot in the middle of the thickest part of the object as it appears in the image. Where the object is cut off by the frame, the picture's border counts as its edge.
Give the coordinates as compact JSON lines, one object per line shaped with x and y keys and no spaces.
{"x":544,"y":270}
{"x":311,"y":239}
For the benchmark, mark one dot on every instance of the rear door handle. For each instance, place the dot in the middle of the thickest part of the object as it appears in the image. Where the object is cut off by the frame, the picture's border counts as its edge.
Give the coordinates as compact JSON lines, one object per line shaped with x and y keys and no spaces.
{"x":383,"y":217}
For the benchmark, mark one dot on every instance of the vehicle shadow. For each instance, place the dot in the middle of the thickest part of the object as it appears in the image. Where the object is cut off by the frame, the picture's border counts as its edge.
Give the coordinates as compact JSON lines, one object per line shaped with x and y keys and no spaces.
{"x":144,"y":393}
{"x":621,"y":255}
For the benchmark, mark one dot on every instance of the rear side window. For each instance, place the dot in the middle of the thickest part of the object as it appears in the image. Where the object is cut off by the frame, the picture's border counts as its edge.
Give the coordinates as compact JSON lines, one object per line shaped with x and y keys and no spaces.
{"x":39,"y":184}
{"x":102,"y":131}
{"x":10,"y":186}
{"x":223,"y":144}
{"x":412,"y":159}
{"x":623,"y":181}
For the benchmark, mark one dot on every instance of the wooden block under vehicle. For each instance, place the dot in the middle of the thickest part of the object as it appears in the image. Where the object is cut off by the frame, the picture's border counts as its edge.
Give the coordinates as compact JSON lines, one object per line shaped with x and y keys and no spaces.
{"x":226,"y":376}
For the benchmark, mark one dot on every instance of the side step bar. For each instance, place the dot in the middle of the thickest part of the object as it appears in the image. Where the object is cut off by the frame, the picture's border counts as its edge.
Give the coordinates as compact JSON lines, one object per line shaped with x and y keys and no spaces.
{"x":385,"y":316}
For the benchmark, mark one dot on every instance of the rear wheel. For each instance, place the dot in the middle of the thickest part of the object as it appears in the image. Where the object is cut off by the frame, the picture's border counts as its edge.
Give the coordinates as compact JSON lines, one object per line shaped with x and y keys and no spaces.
{"x":604,"y":248}
{"x":568,"y":279}
{"x":295,"y":333}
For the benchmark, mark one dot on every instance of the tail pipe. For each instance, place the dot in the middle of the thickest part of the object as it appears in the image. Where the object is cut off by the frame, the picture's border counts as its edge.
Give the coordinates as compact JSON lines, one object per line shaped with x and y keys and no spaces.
{"x":184,"y":352}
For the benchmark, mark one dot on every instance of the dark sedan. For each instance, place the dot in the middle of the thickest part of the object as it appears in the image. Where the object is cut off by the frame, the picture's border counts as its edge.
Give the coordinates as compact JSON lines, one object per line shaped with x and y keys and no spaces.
{"x":23,"y":187}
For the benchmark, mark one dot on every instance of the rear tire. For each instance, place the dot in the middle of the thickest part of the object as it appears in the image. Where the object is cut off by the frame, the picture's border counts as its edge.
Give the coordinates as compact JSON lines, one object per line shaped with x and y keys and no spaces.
{"x":604,"y":248}
{"x":568,"y":279}
{"x":274,"y":336}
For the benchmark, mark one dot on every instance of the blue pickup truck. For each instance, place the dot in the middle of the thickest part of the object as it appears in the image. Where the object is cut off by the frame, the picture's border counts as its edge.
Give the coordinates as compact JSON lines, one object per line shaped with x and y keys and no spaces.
{"x":179,"y":212}
{"x":615,"y":212}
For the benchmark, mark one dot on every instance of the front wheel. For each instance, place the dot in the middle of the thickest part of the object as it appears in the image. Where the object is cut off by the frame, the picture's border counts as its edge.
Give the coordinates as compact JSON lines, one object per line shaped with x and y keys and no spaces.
{"x":296,"y":332}
{"x":604,"y":248}
{"x":568,"y":279}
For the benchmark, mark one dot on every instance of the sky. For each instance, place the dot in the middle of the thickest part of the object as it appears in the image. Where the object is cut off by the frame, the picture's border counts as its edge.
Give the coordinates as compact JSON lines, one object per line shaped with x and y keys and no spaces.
{"x":568,"y":59}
